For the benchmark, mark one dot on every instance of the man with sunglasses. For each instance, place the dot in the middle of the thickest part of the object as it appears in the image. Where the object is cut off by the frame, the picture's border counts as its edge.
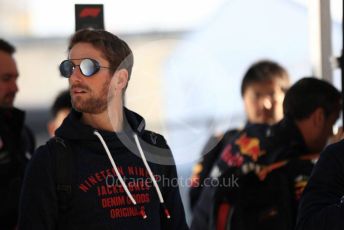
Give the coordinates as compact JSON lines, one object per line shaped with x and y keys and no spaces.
{"x":16,"y":140}
{"x":118,"y":174}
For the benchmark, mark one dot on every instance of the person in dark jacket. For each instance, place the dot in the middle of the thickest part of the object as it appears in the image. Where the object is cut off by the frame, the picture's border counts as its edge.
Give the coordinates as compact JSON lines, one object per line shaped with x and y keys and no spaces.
{"x":122,"y":176}
{"x":322,"y":202}
{"x":270,"y":165}
{"x":17,"y":143}
{"x":262,"y":89}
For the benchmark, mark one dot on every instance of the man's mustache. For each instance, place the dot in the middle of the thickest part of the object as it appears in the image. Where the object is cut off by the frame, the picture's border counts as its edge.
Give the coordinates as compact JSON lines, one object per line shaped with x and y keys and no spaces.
{"x":79,"y":86}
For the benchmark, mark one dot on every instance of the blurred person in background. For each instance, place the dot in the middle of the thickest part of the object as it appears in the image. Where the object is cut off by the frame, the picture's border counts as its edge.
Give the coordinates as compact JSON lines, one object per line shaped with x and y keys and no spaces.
{"x":16,"y":141}
{"x":60,"y":109}
{"x":269,"y":166}
{"x":262,"y":89}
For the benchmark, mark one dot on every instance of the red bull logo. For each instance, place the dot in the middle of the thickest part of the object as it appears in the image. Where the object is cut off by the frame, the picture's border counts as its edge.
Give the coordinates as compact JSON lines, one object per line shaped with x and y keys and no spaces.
{"x":249,"y":146}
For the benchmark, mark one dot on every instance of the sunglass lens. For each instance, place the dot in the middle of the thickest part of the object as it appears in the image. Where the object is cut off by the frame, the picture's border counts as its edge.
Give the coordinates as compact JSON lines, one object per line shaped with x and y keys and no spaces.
{"x":88,"y":67}
{"x":66,"y":68}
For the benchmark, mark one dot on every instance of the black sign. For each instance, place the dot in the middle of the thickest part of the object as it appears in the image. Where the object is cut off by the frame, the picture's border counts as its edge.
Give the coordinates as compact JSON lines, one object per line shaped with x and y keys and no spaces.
{"x":89,"y":16}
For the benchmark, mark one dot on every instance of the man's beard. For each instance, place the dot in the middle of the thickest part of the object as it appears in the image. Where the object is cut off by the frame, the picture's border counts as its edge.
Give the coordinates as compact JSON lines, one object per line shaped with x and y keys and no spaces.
{"x":92,"y":104}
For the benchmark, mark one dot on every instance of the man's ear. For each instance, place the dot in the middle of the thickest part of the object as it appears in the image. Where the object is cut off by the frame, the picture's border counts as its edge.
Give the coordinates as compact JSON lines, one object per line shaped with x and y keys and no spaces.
{"x":318,"y":117}
{"x":121,"y":78}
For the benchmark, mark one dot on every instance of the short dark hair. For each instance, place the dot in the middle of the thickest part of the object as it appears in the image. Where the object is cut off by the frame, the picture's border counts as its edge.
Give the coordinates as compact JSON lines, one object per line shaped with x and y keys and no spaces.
{"x":308,"y":94}
{"x":62,"y":101}
{"x":265,"y":71}
{"x":115,"y":50}
{"x":7,"y":47}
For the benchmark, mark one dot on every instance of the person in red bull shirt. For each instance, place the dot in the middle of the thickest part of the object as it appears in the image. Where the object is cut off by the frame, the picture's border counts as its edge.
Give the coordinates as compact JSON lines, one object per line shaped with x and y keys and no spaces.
{"x":262,"y":89}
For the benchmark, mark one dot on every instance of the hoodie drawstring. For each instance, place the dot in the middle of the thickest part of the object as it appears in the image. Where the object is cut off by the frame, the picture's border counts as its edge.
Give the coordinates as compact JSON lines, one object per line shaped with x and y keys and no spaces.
{"x":161,"y":199}
{"x":115,"y":167}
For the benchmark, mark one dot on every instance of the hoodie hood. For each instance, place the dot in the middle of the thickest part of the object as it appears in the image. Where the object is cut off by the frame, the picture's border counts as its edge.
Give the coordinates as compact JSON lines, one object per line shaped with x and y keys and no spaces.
{"x":154,"y":145}
{"x":72,"y":127}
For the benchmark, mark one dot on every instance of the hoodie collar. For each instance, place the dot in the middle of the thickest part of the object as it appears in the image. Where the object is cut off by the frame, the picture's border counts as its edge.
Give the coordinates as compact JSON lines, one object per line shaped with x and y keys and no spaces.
{"x":287,"y":132}
{"x":12,"y":117}
{"x":74,"y":129}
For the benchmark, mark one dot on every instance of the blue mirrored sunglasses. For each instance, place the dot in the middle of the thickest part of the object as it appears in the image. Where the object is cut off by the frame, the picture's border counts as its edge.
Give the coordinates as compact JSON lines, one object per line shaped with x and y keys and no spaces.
{"x":87,"y":66}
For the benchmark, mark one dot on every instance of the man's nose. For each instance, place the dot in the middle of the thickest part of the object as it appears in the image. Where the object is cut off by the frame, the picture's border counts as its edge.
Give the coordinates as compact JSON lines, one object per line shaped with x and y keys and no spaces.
{"x":266,"y":102}
{"x":76,"y":75}
{"x":14,"y":86}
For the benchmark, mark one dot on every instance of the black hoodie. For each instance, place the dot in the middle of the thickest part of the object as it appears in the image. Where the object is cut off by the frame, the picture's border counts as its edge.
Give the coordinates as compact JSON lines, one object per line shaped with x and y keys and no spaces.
{"x":322,"y":202}
{"x":99,"y":199}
